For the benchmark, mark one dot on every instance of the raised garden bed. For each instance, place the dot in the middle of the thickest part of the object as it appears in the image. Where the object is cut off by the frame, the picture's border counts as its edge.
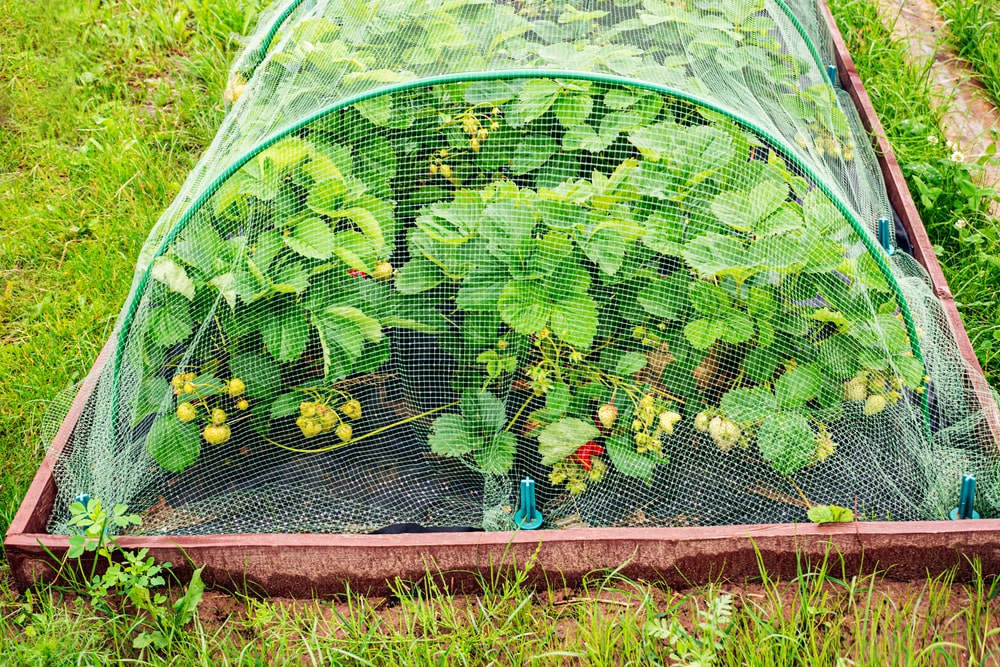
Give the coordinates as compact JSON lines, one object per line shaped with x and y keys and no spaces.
{"x":306,"y":564}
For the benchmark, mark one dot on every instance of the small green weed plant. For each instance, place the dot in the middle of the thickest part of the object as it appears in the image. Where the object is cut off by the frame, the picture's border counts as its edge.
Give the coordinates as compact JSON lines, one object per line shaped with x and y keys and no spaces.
{"x":131,"y":576}
{"x":705,"y":644}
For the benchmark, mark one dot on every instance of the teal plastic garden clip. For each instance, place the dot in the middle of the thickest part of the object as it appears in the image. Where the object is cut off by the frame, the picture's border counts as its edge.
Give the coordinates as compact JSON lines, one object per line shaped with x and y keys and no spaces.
{"x":527,"y":516}
{"x":884,"y":238}
{"x":966,"y":500}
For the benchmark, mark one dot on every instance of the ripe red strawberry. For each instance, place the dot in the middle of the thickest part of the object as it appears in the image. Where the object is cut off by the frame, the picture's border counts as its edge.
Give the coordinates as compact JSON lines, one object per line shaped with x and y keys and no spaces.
{"x":582,"y":454}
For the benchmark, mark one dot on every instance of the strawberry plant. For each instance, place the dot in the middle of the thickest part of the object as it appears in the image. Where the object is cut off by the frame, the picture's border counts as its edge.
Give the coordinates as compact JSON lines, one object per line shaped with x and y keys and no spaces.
{"x":609,"y":273}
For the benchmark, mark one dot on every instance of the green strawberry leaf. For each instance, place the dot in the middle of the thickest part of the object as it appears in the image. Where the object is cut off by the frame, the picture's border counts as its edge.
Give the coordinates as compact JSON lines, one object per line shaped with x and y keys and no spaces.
{"x":174,"y":445}
{"x":449,"y":436}
{"x":830,"y":514}
{"x":312,"y":238}
{"x":629,"y":462}
{"x":560,"y":439}
{"x":745,"y":406}
{"x":496,"y":455}
{"x":798,"y":385}
{"x":787,"y":441}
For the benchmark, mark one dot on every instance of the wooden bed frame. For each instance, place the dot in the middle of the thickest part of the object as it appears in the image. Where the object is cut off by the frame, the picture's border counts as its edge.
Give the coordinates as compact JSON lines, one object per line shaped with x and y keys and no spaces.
{"x":314,"y":564}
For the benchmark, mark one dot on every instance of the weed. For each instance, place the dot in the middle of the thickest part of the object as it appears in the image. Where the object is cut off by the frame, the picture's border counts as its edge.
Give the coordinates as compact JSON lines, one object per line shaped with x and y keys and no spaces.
{"x":701,"y":646}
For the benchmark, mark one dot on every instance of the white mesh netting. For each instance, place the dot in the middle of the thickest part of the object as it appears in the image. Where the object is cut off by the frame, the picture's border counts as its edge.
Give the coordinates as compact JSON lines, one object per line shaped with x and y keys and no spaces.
{"x":629,"y":249}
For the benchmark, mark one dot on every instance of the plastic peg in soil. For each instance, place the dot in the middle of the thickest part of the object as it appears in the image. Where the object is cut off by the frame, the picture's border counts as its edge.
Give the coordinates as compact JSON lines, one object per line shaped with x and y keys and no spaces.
{"x":831,"y":71}
{"x":884,"y":238}
{"x":527,"y":516}
{"x":966,"y":500}
{"x":83,"y":499}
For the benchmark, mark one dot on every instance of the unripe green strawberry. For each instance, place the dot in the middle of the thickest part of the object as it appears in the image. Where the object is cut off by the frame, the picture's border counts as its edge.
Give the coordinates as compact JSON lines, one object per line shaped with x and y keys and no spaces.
{"x":825,"y":447}
{"x":874,"y":405}
{"x":344,"y":432}
{"x":382,"y":271}
{"x":216,"y":434}
{"x":597,"y":470}
{"x":242,"y":404}
{"x":310,"y":426}
{"x":724,"y":432}
{"x":351,"y":409}
{"x":307,"y":409}
{"x":235,"y":387}
{"x":607,"y":414}
{"x":186,"y":412}
{"x":855,"y":390}
{"x":701,"y":422}
{"x":218,"y":416}
{"x":327,"y":418}
{"x":188,"y":388}
{"x":667,"y":421}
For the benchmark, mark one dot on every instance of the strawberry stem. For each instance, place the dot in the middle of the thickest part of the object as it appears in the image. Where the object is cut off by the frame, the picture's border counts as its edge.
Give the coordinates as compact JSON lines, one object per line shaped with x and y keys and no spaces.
{"x":366,"y":435}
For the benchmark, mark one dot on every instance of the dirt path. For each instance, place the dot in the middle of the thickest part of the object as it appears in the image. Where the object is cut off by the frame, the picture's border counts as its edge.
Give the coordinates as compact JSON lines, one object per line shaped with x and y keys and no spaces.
{"x":970,"y":117}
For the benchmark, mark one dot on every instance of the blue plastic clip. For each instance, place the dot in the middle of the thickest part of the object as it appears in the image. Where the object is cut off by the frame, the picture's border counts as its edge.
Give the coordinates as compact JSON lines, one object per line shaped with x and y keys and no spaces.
{"x":83,"y":499}
{"x":884,"y":238}
{"x":831,"y":71}
{"x":966,"y":500}
{"x":527,"y":516}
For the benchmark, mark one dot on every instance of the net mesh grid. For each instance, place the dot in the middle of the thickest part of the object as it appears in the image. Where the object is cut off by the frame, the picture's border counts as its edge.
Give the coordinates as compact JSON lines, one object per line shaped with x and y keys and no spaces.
{"x":624,"y":248}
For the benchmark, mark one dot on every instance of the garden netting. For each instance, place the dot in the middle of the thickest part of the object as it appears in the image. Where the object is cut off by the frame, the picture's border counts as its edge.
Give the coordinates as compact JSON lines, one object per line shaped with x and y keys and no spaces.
{"x":630,"y":249}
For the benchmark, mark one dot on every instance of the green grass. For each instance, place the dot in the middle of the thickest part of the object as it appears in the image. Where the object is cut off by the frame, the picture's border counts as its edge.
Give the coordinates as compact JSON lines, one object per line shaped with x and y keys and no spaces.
{"x":820,"y":617}
{"x":974,"y":31}
{"x":954,"y":211}
{"x":104,"y":107}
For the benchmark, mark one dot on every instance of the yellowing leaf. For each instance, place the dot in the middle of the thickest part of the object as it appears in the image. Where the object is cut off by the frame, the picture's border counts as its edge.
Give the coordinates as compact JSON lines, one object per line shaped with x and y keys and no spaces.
{"x":173,"y":275}
{"x":225,"y":283}
{"x":559,"y":440}
{"x":830,"y":514}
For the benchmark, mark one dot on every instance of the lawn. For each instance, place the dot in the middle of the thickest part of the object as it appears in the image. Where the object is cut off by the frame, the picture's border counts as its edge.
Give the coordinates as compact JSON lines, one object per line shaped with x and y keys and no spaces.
{"x":106,"y":106}
{"x":974,"y":31}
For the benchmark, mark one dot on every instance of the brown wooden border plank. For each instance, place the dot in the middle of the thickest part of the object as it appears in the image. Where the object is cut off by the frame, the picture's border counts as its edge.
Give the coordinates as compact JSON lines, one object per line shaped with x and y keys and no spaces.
{"x":306,"y":565}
